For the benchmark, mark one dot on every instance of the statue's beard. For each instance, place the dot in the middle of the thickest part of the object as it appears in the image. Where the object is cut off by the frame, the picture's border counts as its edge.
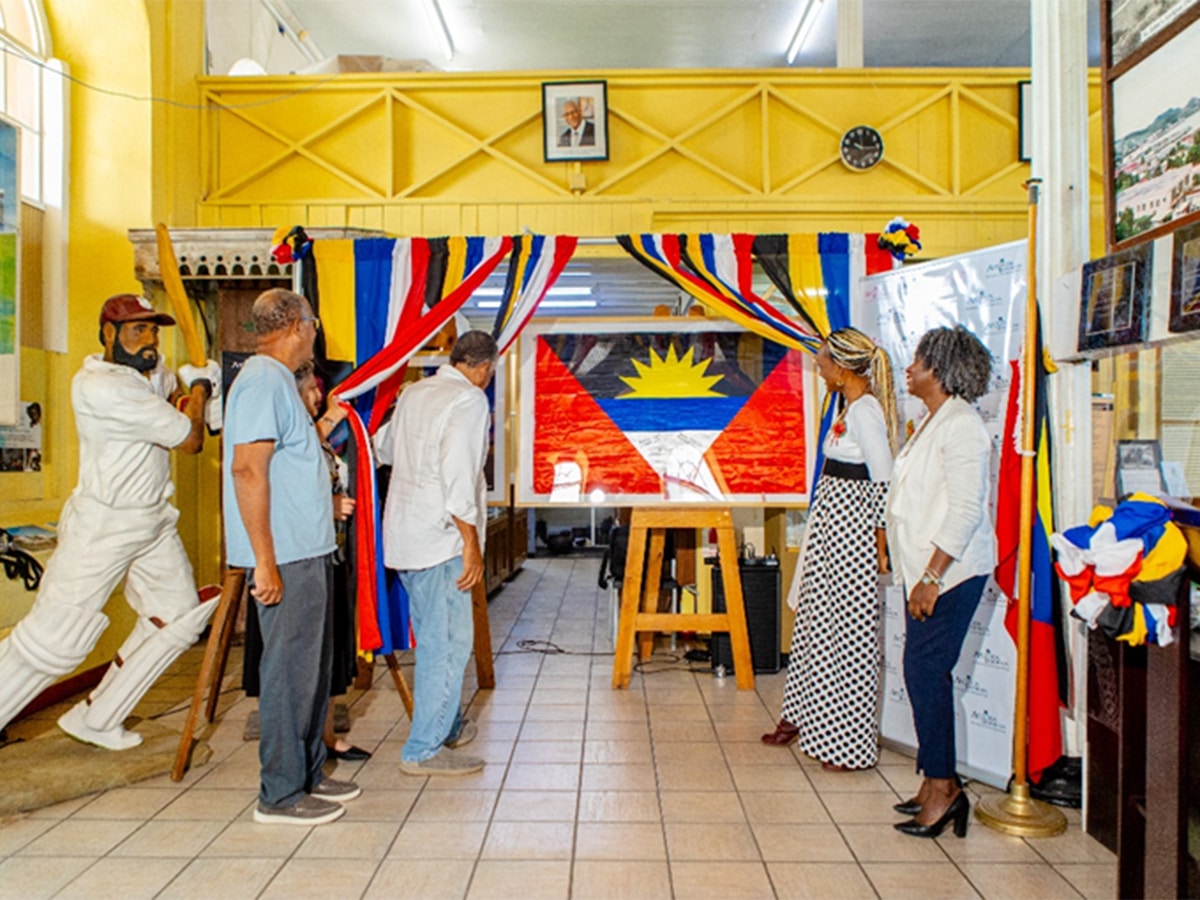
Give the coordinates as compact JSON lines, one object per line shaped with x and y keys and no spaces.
{"x":143,"y":361}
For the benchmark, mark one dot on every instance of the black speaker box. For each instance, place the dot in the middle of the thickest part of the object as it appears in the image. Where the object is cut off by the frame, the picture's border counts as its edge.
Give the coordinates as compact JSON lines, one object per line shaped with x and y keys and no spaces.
{"x":760,"y":594}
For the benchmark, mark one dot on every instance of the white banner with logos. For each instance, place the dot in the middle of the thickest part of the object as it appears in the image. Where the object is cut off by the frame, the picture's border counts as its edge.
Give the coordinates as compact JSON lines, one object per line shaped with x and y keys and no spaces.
{"x":985,"y":292}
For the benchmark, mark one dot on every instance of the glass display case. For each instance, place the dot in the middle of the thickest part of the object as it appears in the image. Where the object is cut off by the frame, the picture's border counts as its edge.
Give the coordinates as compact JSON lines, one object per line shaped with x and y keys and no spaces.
{"x":1141,"y":738}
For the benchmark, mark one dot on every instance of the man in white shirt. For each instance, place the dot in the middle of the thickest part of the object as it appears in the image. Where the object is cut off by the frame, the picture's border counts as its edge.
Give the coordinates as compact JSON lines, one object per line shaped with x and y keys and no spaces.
{"x":117,"y":524}
{"x":434,"y":523}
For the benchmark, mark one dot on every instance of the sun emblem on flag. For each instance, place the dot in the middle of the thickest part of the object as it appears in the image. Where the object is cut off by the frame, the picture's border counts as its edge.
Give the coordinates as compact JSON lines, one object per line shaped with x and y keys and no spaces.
{"x":670,"y":376}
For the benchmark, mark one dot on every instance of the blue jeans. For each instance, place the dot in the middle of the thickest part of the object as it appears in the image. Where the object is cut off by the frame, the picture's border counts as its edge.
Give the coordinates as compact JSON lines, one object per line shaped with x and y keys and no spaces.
{"x":931,"y":651}
{"x":294,"y":682}
{"x":445,"y":632}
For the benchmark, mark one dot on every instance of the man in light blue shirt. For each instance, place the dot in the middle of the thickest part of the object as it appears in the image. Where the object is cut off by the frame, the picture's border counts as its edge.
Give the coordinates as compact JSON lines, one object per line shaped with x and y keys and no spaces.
{"x":279,"y":525}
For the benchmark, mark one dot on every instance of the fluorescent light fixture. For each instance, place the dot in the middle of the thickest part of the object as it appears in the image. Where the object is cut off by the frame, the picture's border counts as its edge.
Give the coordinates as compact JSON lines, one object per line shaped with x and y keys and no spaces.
{"x":434,"y":11}
{"x":545,"y":304}
{"x":584,"y":291}
{"x":808,"y":16}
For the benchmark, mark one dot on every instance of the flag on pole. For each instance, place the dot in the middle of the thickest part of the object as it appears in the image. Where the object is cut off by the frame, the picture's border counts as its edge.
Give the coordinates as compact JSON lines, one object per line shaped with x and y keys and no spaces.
{"x":1047,"y":657}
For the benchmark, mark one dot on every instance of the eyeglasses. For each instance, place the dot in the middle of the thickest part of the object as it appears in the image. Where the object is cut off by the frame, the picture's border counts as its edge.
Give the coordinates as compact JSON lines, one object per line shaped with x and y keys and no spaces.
{"x":316,"y":322}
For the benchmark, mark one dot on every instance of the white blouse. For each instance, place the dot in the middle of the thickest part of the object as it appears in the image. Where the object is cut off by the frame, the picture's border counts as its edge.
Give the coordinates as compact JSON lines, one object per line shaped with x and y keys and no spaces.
{"x":865,"y":439}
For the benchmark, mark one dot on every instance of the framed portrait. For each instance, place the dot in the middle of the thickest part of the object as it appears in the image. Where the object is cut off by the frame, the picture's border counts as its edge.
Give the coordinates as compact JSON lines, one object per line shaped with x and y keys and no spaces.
{"x":1024,"y":122}
{"x":575,"y":120}
{"x":1185,"y":280}
{"x":662,"y":410}
{"x":1151,"y":96}
{"x":1139,"y":468}
{"x":1114,"y":299}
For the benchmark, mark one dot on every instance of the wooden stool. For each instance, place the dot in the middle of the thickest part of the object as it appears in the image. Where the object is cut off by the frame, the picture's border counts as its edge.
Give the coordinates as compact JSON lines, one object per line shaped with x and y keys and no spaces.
{"x":651,"y":525}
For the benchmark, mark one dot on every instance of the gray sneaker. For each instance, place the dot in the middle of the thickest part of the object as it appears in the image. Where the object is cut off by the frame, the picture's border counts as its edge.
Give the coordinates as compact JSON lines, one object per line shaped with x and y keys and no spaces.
{"x":308,"y":810}
{"x":332,"y":789}
{"x":445,"y":762}
{"x":466,"y":734}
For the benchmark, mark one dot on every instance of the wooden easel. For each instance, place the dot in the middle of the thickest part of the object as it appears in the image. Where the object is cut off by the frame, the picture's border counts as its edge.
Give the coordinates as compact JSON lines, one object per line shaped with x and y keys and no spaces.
{"x":216,"y":655}
{"x":650,"y":525}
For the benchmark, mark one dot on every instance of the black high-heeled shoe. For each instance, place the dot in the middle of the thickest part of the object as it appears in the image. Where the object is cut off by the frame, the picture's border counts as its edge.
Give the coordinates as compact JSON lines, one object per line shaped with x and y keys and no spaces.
{"x":959,"y":811}
{"x":912,"y":806}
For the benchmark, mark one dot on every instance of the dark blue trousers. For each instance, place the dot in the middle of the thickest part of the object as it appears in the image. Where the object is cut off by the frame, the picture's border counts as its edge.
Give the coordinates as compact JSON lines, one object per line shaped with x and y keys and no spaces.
{"x":931,"y":651}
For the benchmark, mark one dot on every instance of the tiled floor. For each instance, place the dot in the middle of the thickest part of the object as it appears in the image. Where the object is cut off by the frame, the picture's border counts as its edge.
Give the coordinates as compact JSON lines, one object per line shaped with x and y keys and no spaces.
{"x":663,"y":790}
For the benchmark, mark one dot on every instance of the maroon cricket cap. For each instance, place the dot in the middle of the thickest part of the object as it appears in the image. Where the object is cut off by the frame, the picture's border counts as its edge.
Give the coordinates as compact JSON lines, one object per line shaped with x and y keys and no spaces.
{"x":129,"y":308}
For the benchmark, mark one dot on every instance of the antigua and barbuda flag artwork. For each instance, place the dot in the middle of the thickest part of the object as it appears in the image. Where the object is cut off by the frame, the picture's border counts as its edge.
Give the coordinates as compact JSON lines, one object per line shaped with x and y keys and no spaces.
{"x":646,"y":411}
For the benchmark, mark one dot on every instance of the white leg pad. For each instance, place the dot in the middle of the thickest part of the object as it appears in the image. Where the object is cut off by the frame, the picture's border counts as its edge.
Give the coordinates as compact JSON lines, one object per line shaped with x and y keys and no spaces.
{"x":48,"y":643}
{"x":123,"y":686}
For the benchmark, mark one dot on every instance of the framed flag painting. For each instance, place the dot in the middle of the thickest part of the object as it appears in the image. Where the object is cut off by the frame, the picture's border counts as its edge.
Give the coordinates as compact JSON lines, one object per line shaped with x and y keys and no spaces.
{"x":662,"y":410}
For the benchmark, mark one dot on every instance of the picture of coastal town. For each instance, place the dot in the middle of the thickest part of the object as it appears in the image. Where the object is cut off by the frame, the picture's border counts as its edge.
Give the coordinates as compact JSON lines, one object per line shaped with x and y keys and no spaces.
{"x":1156,"y":148}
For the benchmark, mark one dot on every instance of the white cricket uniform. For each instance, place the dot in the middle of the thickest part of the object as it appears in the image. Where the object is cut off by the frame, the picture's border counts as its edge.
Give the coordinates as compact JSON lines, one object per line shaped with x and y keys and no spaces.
{"x":117,"y":524}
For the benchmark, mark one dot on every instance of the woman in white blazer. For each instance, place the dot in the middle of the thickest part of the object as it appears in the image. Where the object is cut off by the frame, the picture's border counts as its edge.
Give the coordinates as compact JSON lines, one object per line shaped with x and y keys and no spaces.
{"x":942,"y":546}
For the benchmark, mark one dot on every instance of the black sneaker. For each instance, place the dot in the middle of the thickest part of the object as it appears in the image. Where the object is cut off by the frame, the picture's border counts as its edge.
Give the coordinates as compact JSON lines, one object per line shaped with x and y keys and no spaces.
{"x":332,"y":789}
{"x":308,"y":810}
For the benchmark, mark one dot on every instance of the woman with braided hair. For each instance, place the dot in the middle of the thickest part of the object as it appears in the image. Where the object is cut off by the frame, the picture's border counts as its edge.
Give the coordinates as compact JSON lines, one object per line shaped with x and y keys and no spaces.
{"x":830,"y":699}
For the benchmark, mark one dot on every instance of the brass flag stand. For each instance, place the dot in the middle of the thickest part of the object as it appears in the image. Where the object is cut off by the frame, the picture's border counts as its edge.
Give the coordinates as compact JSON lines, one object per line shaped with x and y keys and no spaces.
{"x":1016,"y":812}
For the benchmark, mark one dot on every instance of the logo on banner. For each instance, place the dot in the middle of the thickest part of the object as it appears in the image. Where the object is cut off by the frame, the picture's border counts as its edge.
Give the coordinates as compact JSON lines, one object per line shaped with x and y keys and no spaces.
{"x":968,"y":684}
{"x":898,"y":694}
{"x":981,"y":718}
{"x":984,"y":656}
{"x":980,"y":627}
{"x":998,"y":325}
{"x":1000,"y":268}
{"x":983,"y":299}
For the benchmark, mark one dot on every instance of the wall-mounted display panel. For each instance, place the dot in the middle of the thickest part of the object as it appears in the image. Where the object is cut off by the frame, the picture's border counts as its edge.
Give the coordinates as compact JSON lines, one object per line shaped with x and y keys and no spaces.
{"x":1151,"y":102}
{"x":1185,"y":280}
{"x":1115,"y":299}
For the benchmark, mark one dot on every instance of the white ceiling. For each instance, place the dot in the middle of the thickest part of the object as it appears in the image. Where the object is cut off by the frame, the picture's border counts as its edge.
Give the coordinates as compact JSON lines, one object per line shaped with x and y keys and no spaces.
{"x":546,"y":35}
{"x":542,"y":35}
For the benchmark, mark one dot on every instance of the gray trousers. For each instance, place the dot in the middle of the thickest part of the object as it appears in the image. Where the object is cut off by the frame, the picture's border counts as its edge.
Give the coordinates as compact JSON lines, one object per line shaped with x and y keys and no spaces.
{"x":294,"y":682}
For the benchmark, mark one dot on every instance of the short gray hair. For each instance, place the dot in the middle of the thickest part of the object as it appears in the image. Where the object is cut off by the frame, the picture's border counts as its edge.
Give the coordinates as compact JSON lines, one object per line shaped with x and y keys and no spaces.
{"x":474,"y":348}
{"x":277,"y":309}
{"x":959,"y":361}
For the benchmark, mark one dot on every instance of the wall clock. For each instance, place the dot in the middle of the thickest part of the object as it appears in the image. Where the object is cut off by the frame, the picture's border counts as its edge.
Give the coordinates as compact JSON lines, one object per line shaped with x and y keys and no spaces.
{"x":861,"y":148}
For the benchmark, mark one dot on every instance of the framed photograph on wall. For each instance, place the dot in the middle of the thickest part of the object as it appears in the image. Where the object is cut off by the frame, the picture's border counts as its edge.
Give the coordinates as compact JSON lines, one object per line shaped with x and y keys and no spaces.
{"x":1114,"y":299}
{"x":1185,"y":280}
{"x":1139,"y":468}
{"x":1024,"y":123}
{"x":1151,"y":97}
{"x":1136,"y":24}
{"x":575,"y":120}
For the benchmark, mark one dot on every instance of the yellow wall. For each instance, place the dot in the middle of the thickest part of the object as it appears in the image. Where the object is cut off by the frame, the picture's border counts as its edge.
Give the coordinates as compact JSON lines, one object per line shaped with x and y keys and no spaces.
{"x":105,"y":44}
{"x":690,"y":151}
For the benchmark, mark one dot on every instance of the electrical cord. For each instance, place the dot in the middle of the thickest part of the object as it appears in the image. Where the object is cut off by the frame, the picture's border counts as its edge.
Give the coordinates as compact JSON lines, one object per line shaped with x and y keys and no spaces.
{"x":547,"y":648}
